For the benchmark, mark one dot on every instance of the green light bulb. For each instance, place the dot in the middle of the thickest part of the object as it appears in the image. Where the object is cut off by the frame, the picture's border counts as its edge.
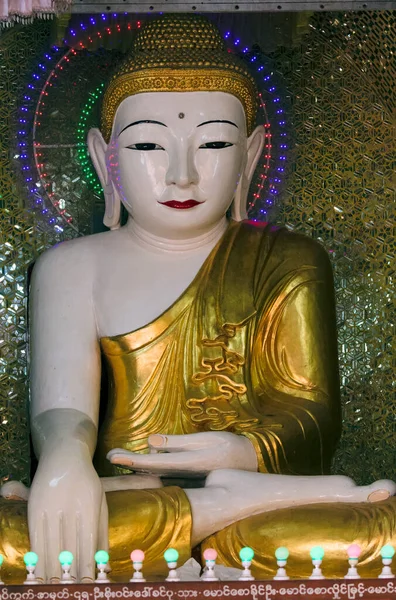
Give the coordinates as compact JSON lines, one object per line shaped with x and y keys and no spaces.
{"x":101,"y":557}
{"x":171,"y":555}
{"x":387,"y":551}
{"x":282,"y":553}
{"x":246,"y":554}
{"x":317,"y":553}
{"x":65,"y":558}
{"x":30,"y":559}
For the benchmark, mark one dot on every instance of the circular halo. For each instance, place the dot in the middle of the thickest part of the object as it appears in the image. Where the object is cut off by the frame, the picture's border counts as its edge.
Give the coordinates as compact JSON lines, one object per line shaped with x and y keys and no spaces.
{"x":49,"y":182}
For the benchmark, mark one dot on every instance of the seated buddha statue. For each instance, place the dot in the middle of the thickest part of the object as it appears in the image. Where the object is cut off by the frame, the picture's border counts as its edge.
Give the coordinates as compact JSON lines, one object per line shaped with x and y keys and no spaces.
{"x":218,"y":336}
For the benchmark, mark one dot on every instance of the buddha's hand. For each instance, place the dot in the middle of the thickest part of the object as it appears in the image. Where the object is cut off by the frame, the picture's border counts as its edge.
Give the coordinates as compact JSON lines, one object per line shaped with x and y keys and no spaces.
{"x":194,"y":454}
{"x":67,"y":507}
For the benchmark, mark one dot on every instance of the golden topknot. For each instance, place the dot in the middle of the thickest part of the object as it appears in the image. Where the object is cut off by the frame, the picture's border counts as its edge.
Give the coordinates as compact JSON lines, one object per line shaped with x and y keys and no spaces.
{"x":179,"y":53}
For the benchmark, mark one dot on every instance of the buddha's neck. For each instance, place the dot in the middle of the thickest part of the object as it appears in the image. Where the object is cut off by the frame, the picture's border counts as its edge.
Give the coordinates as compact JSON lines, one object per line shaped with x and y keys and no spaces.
{"x":205,"y":241}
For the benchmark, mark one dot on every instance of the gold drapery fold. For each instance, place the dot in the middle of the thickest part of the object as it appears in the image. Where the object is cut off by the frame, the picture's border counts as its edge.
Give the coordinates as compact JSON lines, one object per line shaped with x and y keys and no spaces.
{"x":332,"y":526}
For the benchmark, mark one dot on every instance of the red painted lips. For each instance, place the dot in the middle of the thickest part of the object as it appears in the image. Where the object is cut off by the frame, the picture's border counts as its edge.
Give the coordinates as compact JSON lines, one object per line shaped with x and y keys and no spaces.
{"x":181,"y":204}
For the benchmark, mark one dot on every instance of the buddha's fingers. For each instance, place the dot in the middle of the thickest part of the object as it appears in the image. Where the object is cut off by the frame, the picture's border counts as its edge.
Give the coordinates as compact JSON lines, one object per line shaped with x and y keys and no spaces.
{"x":53,"y":526}
{"x":196,"y":461}
{"x":45,"y":529}
{"x":69,"y":541}
{"x":37,"y":542}
{"x":220,"y":449}
{"x":87,"y":544}
{"x":180,"y":443}
{"x":103,"y":534}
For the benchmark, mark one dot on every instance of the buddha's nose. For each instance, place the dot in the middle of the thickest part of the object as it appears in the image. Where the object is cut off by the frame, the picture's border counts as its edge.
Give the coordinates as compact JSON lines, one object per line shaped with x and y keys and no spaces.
{"x":181,"y":170}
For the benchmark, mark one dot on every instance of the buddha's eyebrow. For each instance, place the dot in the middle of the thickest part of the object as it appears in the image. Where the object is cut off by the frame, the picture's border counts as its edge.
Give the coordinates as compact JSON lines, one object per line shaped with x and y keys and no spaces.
{"x":218,"y":121}
{"x":143,"y":121}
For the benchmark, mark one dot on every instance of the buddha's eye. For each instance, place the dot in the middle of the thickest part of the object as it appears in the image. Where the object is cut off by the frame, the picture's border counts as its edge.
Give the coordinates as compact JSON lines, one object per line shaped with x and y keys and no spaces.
{"x":145,"y":147}
{"x":216,"y":145}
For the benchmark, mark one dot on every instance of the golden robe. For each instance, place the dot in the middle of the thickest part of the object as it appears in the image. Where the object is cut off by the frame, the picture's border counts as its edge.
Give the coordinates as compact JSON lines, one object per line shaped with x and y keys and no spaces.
{"x":249,"y":347}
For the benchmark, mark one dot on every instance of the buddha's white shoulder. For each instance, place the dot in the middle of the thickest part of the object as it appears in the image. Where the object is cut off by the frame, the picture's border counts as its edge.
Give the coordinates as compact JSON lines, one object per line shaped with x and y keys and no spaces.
{"x":73,"y":259}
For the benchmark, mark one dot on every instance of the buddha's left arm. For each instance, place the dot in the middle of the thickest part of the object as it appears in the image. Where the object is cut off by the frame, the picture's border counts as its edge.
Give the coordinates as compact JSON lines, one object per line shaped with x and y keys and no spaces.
{"x":293,"y":362}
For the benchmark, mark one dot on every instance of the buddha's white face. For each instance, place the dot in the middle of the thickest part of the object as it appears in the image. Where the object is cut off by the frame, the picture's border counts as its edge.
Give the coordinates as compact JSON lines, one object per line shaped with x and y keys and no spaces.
{"x":176,"y":159}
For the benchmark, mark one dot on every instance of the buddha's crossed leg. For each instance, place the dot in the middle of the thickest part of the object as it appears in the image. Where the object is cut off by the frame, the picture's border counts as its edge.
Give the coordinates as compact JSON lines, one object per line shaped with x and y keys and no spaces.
{"x":235,"y":509}
{"x":230,"y":495}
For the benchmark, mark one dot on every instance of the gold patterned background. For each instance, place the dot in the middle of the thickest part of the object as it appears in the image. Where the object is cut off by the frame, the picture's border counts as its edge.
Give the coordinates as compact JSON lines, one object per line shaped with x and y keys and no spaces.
{"x":337,"y":74}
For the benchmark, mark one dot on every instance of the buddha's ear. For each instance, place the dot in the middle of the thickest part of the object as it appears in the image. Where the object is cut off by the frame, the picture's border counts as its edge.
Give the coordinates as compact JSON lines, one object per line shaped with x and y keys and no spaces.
{"x":97,"y":149}
{"x":254,"y":147}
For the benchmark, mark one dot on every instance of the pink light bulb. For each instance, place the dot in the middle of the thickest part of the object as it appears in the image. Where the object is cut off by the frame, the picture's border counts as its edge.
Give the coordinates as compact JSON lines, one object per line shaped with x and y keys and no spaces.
{"x":137,"y":556}
{"x":210,"y":554}
{"x":354,"y":551}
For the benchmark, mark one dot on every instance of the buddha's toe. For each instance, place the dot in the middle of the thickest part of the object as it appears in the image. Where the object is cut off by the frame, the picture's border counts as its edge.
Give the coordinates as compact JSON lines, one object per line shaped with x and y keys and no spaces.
{"x":381,"y":490}
{"x":14,"y":490}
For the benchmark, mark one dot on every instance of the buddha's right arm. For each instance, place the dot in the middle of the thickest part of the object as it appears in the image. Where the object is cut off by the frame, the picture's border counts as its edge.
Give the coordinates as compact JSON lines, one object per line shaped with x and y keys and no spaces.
{"x":65,"y":383}
{"x":65,"y":357}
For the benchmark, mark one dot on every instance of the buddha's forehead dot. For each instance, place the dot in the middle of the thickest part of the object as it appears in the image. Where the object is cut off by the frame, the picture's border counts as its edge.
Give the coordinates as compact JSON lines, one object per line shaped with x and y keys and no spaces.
{"x":181,"y":115}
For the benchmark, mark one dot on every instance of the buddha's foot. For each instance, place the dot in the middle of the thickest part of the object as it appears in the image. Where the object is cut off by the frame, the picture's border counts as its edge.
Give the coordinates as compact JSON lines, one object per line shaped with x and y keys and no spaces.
{"x":381,"y":490}
{"x":230,"y":496}
{"x":14,"y":490}
{"x":281,"y":491}
{"x":254,"y":493}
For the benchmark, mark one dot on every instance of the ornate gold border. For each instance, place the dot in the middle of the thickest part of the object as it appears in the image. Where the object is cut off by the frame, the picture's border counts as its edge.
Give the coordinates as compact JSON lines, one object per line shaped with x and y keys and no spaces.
{"x":178,"y":80}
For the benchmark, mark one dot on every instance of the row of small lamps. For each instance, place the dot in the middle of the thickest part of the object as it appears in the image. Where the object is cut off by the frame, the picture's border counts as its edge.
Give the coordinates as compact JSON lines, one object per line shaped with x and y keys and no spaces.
{"x":171,"y":557}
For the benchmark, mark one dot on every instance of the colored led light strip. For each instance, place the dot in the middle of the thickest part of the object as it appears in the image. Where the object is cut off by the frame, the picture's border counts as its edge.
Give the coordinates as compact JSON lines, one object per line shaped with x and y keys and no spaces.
{"x":274,"y":150}
{"x":82,"y":150}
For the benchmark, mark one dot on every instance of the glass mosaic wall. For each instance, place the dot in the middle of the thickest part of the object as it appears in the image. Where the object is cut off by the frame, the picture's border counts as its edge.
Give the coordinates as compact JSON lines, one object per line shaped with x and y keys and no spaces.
{"x":333,"y":75}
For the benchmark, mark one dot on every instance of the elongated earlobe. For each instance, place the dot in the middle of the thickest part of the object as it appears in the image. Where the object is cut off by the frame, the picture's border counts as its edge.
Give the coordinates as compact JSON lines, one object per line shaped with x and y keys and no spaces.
{"x":97,"y":149}
{"x":112,"y":216}
{"x":255,"y":145}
